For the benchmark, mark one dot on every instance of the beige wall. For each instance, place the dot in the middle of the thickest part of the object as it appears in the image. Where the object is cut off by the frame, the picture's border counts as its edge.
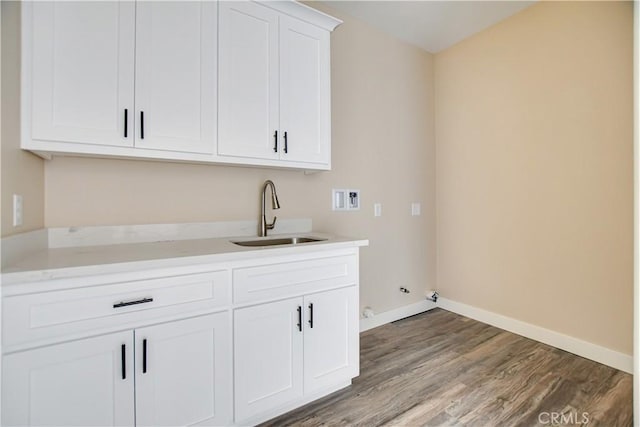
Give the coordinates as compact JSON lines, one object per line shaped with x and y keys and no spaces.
{"x":383,"y":144}
{"x":21,"y":172}
{"x":535,"y":170}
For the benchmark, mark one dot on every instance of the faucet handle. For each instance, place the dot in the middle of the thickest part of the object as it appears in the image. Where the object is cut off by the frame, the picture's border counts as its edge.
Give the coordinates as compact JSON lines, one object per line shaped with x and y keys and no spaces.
{"x":273,"y":224}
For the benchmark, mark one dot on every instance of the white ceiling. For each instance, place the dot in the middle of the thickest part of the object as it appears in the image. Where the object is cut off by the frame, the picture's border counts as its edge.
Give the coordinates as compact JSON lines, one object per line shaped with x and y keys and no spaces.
{"x":430,"y":25}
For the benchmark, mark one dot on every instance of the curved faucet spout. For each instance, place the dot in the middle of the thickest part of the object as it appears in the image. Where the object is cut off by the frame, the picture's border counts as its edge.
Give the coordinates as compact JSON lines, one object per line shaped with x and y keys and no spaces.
{"x":275,"y":204}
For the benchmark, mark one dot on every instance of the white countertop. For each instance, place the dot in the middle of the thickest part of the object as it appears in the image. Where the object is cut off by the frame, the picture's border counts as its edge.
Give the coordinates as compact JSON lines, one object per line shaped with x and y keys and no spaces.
{"x":60,"y":263}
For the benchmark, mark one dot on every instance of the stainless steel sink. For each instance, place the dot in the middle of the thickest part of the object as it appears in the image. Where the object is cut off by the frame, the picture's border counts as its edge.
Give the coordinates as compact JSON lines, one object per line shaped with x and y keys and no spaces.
{"x":277,"y":242}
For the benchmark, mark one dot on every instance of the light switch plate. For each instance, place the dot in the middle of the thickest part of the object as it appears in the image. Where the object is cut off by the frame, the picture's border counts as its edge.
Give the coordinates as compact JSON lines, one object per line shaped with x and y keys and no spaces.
{"x":415,"y":209}
{"x":17,"y":210}
{"x":377,"y":209}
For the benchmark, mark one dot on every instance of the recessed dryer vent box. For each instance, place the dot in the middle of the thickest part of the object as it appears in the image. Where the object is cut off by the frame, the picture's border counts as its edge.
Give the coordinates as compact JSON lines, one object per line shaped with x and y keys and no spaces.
{"x":346,"y":200}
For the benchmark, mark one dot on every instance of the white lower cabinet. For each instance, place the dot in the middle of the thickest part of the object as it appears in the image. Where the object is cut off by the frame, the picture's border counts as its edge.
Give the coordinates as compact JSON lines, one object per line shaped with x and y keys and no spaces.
{"x":232,"y":343}
{"x":181,"y":374}
{"x":289,"y":349}
{"x":183,"y":377}
{"x":331,"y":341}
{"x":88,"y":382}
{"x":267,"y":346}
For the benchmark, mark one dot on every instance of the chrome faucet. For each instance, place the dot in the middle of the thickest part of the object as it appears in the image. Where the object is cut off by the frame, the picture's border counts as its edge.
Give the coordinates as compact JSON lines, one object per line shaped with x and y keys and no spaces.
{"x":264,"y":226}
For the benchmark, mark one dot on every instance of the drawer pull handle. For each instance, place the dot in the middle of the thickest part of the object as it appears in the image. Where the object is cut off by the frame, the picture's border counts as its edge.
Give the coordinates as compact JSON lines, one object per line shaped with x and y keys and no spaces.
{"x":123,"y":353}
{"x":144,"y":356}
{"x":128,"y":303}
{"x":311,"y":315}
{"x":300,"y":318}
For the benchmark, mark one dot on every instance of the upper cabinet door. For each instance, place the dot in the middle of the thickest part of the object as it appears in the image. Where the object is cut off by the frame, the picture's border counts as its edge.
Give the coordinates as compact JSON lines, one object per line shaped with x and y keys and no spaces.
{"x":80,"y":57}
{"x":248,"y":81}
{"x":305,"y":105}
{"x":176,"y":44}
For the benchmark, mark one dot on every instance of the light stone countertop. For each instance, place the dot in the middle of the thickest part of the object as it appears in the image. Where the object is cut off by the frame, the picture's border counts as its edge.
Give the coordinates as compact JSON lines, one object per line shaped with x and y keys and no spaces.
{"x":61,"y":263}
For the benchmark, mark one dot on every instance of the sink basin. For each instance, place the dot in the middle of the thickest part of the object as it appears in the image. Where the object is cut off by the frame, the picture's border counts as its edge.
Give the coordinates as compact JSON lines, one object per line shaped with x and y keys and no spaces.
{"x":278,"y":242}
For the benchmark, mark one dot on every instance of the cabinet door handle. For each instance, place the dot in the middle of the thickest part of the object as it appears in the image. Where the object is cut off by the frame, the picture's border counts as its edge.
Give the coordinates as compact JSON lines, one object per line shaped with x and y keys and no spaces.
{"x":126,"y":121}
{"x":275,"y":142}
{"x":144,"y":356}
{"x":311,"y":315}
{"x":123,"y":353}
{"x":286,"y":145}
{"x":300,"y":318}
{"x":127,"y":303}
{"x":141,"y":124}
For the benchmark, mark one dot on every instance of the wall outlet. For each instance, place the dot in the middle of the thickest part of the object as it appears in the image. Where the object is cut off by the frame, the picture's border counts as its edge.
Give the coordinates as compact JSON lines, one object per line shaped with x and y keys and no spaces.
{"x":415,"y":209}
{"x":17,"y":210}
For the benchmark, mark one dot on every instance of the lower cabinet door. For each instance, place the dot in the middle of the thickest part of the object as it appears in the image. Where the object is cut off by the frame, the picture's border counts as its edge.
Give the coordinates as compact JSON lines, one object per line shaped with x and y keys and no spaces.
{"x":183,"y":372}
{"x":89,"y":382}
{"x":268,"y":356}
{"x":331,"y":338}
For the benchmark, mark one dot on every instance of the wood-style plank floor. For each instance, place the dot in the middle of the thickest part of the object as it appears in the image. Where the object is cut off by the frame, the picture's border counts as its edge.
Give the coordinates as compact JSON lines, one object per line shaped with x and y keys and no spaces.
{"x":442,"y":369}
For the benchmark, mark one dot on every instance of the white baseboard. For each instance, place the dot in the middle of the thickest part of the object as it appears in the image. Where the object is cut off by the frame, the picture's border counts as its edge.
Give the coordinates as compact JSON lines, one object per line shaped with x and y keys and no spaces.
{"x":617,"y":360}
{"x":597,"y":353}
{"x":395,"y":314}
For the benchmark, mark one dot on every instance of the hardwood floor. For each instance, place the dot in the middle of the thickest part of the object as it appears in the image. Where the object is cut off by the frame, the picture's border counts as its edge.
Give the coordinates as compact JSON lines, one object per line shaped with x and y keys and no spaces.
{"x":442,"y":369}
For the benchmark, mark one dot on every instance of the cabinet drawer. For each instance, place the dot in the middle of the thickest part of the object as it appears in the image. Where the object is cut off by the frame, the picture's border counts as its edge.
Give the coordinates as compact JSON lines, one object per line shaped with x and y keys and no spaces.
{"x":252,"y":284}
{"x":47,"y":315}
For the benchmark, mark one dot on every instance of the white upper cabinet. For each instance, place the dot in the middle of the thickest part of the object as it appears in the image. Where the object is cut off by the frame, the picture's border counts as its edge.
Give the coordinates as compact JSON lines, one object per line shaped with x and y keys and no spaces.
{"x":274,"y":86}
{"x":84,"y":80}
{"x":238,"y":82}
{"x":79,"y":58}
{"x":305,"y":92}
{"x":248,"y":90}
{"x":175,"y":91}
